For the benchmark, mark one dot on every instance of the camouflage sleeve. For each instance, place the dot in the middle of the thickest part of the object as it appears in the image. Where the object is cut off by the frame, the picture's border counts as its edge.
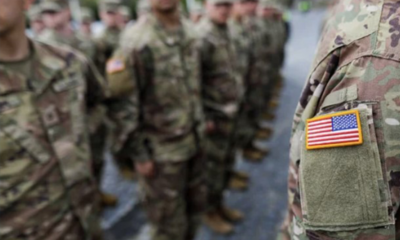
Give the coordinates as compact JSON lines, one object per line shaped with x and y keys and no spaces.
{"x":125,"y":106}
{"x":309,"y":99}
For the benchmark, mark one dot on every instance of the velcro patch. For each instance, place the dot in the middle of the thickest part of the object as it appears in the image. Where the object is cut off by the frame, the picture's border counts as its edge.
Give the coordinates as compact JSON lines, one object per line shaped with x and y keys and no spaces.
{"x":115,"y":65}
{"x":334,"y":130}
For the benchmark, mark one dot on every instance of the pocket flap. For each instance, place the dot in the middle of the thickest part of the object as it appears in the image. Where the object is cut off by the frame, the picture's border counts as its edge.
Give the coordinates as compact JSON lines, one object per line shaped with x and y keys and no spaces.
{"x":340,"y":186}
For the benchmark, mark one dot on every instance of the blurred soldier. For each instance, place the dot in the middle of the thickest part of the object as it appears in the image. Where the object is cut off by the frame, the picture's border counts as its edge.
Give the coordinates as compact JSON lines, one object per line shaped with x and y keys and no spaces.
{"x":271,"y":15}
{"x":47,"y":188}
{"x":108,"y":39}
{"x":249,"y":8}
{"x":273,"y":31}
{"x":143,"y":7}
{"x":222,"y":92}
{"x":107,"y":42}
{"x":35,"y":20}
{"x":196,"y":13}
{"x":254,"y":101}
{"x":125,"y":17}
{"x":57,"y":19}
{"x":87,"y":19}
{"x":157,"y":69}
{"x":56,"y":15}
{"x":246,"y":125}
{"x":344,"y":182}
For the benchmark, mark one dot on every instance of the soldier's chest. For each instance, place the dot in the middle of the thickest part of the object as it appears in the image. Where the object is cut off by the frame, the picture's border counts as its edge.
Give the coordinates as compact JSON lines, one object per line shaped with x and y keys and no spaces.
{"x":45,"y":120}
{"x":176,"y":65}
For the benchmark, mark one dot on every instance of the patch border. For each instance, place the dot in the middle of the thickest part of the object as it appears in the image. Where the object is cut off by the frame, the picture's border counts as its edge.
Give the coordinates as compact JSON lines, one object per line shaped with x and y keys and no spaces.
{"x":359,"y":142}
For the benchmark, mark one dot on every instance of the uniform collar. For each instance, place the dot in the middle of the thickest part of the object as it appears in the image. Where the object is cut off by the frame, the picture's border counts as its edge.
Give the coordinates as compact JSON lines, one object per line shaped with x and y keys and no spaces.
{"x":46,"y":65}
{"x":163,"y":34}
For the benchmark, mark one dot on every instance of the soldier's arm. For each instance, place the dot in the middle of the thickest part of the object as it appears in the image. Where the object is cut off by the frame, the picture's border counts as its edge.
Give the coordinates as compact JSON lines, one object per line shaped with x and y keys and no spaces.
{"x":206,"y":63}
{"x":309,"y":99}
{"x":97,"y":90}
{"x":123,"y":72}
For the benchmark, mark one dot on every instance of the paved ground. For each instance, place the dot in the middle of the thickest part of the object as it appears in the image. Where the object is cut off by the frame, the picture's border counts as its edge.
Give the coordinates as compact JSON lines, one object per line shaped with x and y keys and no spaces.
{"x":265,"y":201}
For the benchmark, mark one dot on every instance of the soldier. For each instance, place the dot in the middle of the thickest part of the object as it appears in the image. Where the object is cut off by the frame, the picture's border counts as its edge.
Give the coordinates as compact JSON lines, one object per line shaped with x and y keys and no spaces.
{"x":87,"y":19}
{"x":47,"y":189}
{"x":253,"y":105}
{"x":272,"y":30}
{"x":157,"y":69}
{"x":344,"y":157}
{"x":107,"y":41}
{"x":272,"y":22}
{"x":222,"y":92}
{"x":245,"y":126}
{"x":59,"y":30}
{"x":125,"y":17}
{"x":35,"y":20}
{"x":57,"y":15}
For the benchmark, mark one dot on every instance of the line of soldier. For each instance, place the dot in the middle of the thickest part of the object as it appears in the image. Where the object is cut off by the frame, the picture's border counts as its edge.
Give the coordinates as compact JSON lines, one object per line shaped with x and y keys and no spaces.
{"x":173,"y":102}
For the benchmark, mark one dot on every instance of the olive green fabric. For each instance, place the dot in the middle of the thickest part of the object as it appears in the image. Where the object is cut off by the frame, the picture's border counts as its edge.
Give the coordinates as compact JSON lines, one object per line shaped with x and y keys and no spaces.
{"x":347,"y":193}
{"x":340,"y":96}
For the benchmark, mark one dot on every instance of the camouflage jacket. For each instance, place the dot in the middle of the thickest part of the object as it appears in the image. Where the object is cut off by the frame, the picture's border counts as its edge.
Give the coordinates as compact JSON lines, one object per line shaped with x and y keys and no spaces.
{"x":258,"y":41}
{"x":159,"y":73}
{"x":273,"y":32}
{"x":242,"y":43}
{"x":350,"y":192}
{"x":221,"y":83}
{"x":46,"y":184}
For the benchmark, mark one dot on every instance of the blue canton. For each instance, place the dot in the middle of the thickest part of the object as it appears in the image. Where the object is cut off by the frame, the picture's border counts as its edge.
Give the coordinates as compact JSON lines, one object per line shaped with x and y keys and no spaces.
{"x":344,"y":122}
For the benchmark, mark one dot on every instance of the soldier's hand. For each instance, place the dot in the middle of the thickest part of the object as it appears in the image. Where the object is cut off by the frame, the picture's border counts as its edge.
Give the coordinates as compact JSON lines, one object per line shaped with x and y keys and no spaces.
{"x":146,"y":169}
{"x":210,"y":127}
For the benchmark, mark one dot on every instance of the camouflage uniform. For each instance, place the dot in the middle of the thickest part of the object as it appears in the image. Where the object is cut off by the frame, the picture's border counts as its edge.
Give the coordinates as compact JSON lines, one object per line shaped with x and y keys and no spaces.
{"x":98,"y":129}
{"x":245,"y":127}
{"x":86,"y":17}
{"x":351,"y":192}
{"x":275,"y":28}
{"x":47,"y":190}
{"x":107,"y":41}
{"x":273,"y":34}
{"x":222,"y":91}
{"x":259,"y":66}
{"x":158,"y":71}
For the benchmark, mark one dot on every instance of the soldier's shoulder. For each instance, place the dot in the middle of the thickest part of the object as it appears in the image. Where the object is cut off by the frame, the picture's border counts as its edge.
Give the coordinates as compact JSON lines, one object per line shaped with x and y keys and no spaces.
{"x":355,"y":20}
{"x":139,"y":34}
{"x":58,"y":56}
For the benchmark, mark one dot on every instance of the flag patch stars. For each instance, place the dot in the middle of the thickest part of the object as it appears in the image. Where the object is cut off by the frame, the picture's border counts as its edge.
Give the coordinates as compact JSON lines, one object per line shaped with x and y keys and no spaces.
{"x":334,"y":130}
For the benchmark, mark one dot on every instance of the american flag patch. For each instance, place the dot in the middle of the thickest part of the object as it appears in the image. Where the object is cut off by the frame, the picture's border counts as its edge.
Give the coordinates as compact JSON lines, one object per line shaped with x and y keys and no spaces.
{"x":334,"y":130}
{"x":115,"y":65}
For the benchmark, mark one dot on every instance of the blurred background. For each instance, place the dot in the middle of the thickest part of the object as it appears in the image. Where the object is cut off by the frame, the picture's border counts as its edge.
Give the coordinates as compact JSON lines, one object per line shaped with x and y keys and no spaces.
{"x":265,"y":202}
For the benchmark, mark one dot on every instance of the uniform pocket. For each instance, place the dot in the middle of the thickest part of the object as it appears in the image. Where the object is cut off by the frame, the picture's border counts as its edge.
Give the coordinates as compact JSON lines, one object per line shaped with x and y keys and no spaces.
{"x":342,"y":187}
